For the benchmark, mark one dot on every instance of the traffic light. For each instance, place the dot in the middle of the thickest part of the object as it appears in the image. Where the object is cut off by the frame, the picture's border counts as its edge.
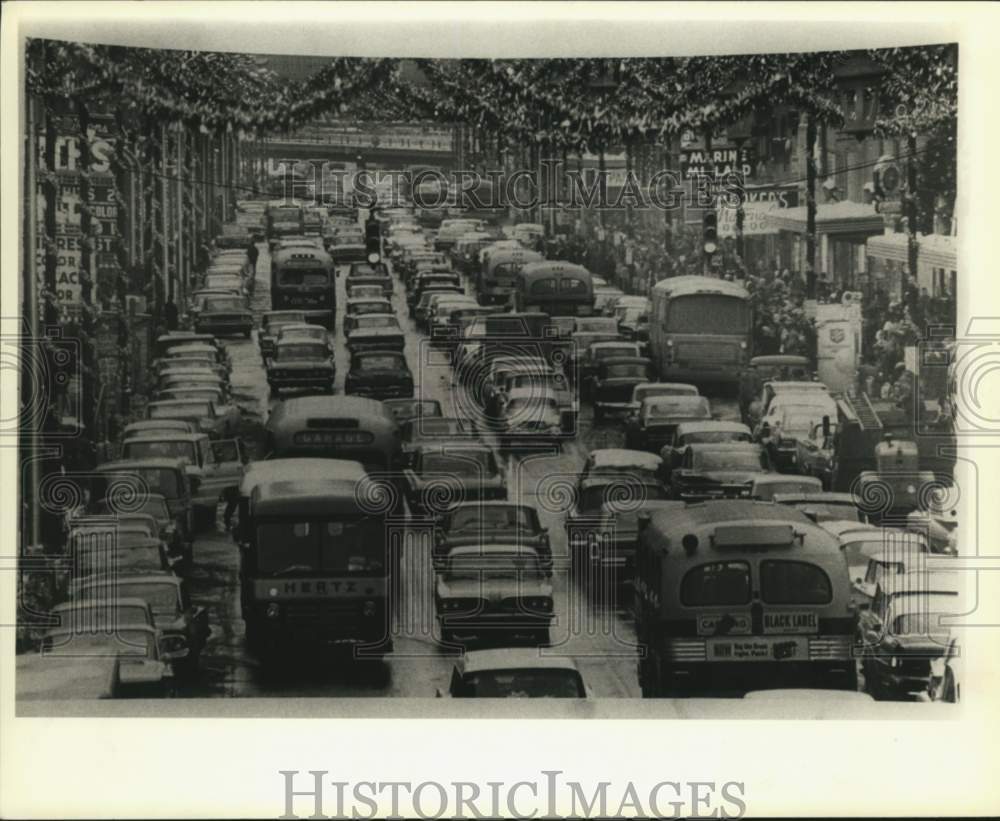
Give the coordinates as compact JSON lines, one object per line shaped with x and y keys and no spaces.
{"x":710,"y":232}
{"x":373,"y":240}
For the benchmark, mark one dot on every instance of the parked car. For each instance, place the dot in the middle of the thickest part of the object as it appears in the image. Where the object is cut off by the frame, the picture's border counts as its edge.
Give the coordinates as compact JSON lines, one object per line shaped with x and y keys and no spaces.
{"x":379,"y":374}
{"x":201,"y":412}
{"x":647,"y":390}
{"x":441,"y":476}
{"x":490,"y":590}
{"x":301,"y":364}
{"x":515,"y":673}
{"x":183,"y":627}
{"x":155,"y":506}
{"x":224,"y":315}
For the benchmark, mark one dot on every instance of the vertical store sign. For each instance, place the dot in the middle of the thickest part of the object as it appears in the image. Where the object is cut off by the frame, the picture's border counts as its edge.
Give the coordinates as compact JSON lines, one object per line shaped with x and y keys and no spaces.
{"x":759,"y":203}
{"x":103,"y":209}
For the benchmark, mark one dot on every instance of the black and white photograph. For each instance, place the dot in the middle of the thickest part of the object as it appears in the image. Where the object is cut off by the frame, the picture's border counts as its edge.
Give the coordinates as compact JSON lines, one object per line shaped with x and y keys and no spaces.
{"x":363,"y":382}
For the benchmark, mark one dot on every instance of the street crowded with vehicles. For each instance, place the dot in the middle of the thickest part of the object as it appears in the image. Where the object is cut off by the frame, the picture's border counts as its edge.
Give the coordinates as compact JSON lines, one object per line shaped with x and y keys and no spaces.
{"x":390,"y":460}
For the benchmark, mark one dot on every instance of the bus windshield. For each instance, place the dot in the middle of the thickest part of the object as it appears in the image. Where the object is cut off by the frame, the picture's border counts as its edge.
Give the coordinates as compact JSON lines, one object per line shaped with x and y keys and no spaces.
{"x":303,"y":276}
{"x":286,"y":214}
{"x":351,"y":545}
{"x":708,"y":314}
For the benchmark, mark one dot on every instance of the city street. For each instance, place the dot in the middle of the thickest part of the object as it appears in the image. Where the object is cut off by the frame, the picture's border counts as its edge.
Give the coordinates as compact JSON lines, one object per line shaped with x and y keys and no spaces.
{"x":599,"y":638}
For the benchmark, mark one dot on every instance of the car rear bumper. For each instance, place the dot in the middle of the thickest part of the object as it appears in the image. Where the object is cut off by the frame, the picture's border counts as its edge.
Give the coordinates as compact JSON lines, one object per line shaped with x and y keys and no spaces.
{"x":222,"y":327}
{"x":382,"y":391}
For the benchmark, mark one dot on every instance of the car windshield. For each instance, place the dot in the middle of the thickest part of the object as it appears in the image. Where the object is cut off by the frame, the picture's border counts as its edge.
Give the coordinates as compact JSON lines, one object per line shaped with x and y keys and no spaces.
{"x":143,"y":448}
{"x":468,"y":463}
{"x":486,"y":566}
{"x":593,"y":498}
{"x":857,"y":552}
{"x":378,"y":321}
{"x":358,"y":291}
{"x":379,"y":307}
{"x":657,"y":390}
{"x":302,"y":351}
{"x":711,"y":437}
{"x":273,"y":321}
{"x":304,"y":276}
{"x":541,"y":381}
{"x":382,"y":362}
{"x":182,"y":410}
{"x":597,"y":326}
{"x":798,"y":423}
{"x":189,"y":393}
{"x":523,"y":684}
{"x":150,"y":505}
{"x":623,"y":371}
{"x":122,"y":642}
{"x":286,"y":214}
{"x":611,"y":352}
{"x":223,"y":303}
{"x":353,"y":544}
{"x":769,"y":490}
{"x":226,"y":283}
{"x":708,"y":314}
{"x":534,"y":406}
{"x":312,"y":332}
{"x":157,"y":480}
{"x":729,"y":460}
{"x":474,"y":518}
{"x":696,"y":407}
{"x":161,"y":597}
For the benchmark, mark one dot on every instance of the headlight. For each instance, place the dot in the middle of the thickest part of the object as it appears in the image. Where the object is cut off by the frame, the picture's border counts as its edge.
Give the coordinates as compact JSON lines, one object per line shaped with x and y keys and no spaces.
{"x":273,"y":610}
{"x":894,"y":661}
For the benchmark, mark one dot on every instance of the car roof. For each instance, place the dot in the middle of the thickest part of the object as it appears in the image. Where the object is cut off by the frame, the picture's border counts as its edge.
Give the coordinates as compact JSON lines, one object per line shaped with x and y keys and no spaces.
{"x":163,"y":577}
{"x":123,"y":465}
{"x":491,"y":548}
{"x":173,"y":437}
{"x":488,"y":504}
{"x":681,"y":401}
{"x":783,"y":478}
{"x":623,"y":458}
{"x":682,"y":285}
{"x":797,"y":386}
{"x":303,"y":326}
{"x":838,"y":527}
{"x":643,"y":386}
{"x":778,"y":360}
{"x":80,"y":604}
{"x":826,"y":496}
{"x":512,"y":658}
{"x":708,"y":425}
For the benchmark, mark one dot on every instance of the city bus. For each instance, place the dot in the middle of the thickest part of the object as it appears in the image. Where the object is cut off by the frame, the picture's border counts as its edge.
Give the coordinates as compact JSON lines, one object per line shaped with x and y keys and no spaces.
{"x":740,"y":595}
{"x":497,"y":278}
{"x":555,"y":287}
{"x":314,"y":568}
{"x":335,"y":427}
{"x":305,"y":278}
{"x":700,"y":329}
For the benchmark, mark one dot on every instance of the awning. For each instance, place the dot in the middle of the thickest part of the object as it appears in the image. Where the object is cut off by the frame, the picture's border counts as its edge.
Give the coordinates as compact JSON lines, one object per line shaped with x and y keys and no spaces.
{"x":936,"y":250}
{"x":832,"y":218}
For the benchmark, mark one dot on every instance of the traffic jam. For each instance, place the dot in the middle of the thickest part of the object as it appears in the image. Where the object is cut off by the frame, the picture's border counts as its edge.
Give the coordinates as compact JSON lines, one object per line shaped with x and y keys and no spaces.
{"x":401,"y":451}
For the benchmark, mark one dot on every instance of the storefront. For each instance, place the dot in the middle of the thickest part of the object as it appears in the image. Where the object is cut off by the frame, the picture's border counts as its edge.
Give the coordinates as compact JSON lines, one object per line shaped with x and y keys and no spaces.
{"x":842,"y":230}
{"x":937,"y":263}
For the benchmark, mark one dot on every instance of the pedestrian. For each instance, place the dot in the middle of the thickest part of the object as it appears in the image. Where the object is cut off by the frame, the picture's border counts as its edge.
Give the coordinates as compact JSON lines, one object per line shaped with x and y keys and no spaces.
{"x":170,"y":314}
{"x":232,"y":502}
{"x":252,"y":254}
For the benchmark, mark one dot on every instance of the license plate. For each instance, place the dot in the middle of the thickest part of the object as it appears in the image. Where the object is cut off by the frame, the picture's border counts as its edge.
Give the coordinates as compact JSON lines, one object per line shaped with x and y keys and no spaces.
{"x":756,"y":649}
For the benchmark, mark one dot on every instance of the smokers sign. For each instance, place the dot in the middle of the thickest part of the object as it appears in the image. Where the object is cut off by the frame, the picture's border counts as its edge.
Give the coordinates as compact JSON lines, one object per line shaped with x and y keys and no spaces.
{"x":759,"y":204}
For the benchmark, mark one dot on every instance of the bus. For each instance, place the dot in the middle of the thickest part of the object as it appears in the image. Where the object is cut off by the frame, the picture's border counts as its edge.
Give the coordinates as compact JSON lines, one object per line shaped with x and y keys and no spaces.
{"x":738,"y":595}
{"x":497,"y":279}
{"x":700,"y":330}
{"x":555,"y":287}
{"x":315,"y":568}
{"x":335,"y":427}
{"x":305,"y":278}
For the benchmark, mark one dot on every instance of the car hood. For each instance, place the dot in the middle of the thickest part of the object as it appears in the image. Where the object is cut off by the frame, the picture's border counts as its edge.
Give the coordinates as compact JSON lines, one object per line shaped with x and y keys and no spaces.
{"x":722,"y":477}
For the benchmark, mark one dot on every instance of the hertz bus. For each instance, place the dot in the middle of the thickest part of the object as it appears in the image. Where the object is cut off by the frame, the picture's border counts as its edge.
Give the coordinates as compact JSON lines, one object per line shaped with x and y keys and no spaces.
{"x":741,"y":595}
{"x":314,"y":566}
{"x":700,"y":329}
{"x":305,"y":278}
{"x":556,"y":288}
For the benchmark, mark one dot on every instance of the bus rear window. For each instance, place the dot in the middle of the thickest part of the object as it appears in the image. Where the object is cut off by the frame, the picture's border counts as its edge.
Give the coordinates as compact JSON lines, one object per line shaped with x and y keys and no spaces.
{"x":716,"y":583}
{"x":708,"y":314}
{"x":788,"y":582}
